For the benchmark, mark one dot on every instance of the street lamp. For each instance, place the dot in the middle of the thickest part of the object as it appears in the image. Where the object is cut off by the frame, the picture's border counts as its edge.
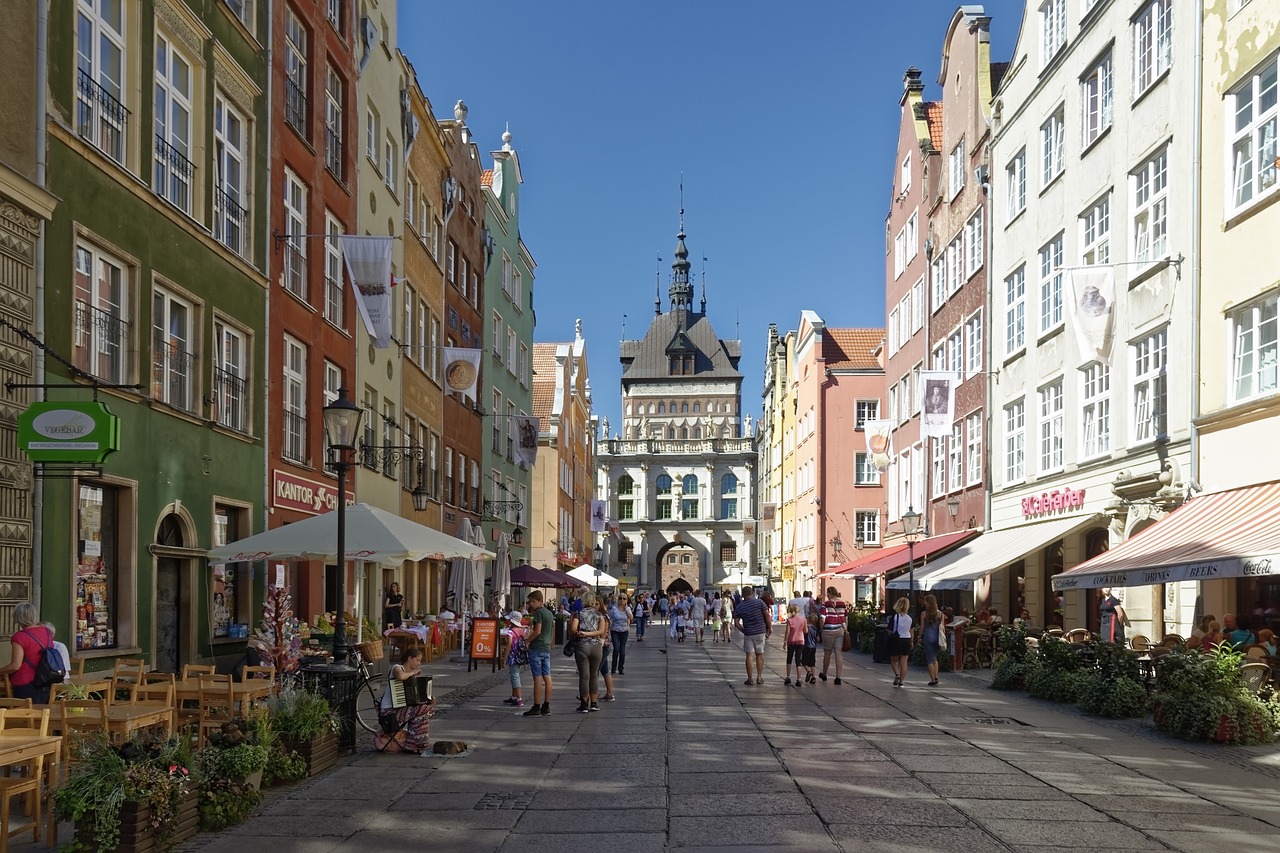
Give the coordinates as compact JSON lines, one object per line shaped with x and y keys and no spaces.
{"x":598,"y":553}
{"x":836,"y":545}
{"x":341,"y":425}
{"x":911,"y":530}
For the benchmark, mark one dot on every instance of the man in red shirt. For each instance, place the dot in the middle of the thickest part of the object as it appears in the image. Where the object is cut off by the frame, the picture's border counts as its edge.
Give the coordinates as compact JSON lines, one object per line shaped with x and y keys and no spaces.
{"x":834,"y":616}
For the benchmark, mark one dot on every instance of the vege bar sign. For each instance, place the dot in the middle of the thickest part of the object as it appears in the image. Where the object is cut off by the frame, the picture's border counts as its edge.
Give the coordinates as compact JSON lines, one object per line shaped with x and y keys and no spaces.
{"x":68,"y":432}
{"x":296,"y":493}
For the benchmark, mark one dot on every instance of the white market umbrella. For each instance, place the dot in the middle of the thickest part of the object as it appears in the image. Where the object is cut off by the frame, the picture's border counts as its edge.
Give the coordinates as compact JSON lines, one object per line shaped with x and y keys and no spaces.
{"x":586,"y":573}
{"x":502,"y":570}
{"x":373,"y":536}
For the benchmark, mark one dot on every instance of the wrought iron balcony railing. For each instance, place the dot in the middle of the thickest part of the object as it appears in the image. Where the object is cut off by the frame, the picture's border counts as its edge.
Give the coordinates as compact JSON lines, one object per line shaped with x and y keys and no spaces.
{"x":229,"y":220}
{"x":229,"y":399}
{"x":100,"y":117}
{"x":294,"y":448}
{"x":173,"y":175}
{"x":296,"y":106}
{"x":102,"y":342}
{"x":171,"y":375}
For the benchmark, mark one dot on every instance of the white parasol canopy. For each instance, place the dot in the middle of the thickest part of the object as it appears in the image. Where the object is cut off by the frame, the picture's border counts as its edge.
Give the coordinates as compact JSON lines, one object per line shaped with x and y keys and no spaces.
{"x":502,"y":570}
{"x":587,"y":574}
{"x":373,"y":535}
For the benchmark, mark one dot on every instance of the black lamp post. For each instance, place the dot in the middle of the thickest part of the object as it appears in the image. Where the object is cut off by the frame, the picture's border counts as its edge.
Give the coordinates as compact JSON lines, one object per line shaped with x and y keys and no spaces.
{"x":341,"y":425}
{"x":598,"y":553}
{"x":911,"y":530}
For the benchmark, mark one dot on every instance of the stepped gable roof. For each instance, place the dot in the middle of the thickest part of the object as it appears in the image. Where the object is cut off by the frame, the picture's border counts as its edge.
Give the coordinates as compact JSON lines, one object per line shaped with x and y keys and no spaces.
{"x":486,"y":178}
{"x":544,"y":383}
{"x":647,"y":358}
{"x":852,"y":349}
{"x":933,"y":115}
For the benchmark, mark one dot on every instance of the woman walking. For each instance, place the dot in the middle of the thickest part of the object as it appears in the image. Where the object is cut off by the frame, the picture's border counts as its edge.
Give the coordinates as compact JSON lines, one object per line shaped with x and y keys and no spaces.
{"x":641,"y":616}
{"x":393,"y":606}
{"x":931,"y":628}
{"x":590,"y":627}
{"x":900,"y":641}
{"x":619,"y":630}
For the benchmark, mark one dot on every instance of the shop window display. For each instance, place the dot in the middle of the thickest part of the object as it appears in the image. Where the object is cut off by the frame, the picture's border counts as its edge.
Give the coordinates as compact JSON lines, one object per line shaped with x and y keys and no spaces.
{"x":97,"y":581}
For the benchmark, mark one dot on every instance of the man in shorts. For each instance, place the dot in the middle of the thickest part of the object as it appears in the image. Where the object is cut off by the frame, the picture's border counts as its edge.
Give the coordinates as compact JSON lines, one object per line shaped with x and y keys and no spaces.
{"x":539,"y":639}
{"x":751,"y":617}
{"x":698,"y":615}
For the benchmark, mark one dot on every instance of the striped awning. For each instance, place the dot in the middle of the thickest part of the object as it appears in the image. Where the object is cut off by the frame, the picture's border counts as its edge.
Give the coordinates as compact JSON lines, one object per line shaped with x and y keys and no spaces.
{"x":993,"y":551}
{"x":1231,"y":534}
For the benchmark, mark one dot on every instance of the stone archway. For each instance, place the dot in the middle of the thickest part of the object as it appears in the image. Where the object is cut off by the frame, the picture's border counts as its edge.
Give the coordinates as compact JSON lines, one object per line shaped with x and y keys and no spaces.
{"x":678,"y":585}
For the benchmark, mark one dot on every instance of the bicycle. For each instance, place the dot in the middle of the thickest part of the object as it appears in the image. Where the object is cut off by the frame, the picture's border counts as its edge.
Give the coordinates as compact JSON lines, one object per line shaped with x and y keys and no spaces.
{"x":370,"y":685}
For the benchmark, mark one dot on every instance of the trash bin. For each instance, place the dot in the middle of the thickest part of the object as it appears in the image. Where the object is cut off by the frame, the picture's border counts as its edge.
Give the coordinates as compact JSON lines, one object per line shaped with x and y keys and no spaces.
{"x":880,"y":652}
{"x":338,"y":683}
{"x":562,"y":626}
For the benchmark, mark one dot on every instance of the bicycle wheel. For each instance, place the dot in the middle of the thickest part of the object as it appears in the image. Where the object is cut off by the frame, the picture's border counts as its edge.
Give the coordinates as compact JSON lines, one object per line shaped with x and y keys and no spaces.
{"x":367,"y":700}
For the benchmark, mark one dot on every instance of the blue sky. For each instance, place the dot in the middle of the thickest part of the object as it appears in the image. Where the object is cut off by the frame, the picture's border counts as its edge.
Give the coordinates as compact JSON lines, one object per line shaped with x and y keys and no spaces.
{"x":782,"y":118}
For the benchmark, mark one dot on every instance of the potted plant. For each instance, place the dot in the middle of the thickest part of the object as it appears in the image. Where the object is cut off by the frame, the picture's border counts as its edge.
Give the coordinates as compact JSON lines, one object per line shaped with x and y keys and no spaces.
{"x":141,"y":796}
{"x":235,"y":753}
{"x":305,"y":724}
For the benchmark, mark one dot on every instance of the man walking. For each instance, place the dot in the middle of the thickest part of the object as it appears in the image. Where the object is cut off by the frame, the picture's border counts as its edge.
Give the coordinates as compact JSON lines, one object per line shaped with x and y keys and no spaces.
{"x":751,"y":617}
{"x":801,"y":602}
{"x":698,"y":613}
{"x":540,"y":654}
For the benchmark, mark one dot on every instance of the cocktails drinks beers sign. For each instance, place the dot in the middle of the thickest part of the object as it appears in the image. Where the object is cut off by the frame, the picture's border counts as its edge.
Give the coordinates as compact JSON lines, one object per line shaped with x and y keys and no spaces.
{"x":68,"y":432}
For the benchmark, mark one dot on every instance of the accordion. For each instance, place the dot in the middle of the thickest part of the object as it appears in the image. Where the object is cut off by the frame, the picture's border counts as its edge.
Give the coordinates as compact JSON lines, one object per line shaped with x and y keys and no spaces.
{"x":411,"y":691}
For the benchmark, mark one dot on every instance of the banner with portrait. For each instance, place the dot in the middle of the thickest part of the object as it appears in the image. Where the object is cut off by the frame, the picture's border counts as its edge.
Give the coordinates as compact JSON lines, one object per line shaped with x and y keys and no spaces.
{"x":937,"y":402}
{"x":768,"y":514}
{"x":1092,"y":291}
{"x":462,"y":370}
{"x":879,"y":436}
{"x":597,"y":517}
{"x":368,"y":262}
{"x":526,"y":438}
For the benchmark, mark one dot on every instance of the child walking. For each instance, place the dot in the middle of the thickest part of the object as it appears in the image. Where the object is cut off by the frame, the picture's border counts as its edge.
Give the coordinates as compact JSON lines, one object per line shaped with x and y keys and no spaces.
{"x":812,"y":639}
{"x":797,"y":628}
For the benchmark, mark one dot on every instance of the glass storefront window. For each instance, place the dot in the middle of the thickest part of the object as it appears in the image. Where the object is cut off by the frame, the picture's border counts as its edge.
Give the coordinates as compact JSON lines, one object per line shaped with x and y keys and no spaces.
{"x":225,"y":594}
{"x":97,"y":567}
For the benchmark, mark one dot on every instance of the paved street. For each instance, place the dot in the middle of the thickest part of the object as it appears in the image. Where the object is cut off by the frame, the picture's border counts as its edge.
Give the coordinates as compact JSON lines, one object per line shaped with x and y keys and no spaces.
{"x":688,"y":757}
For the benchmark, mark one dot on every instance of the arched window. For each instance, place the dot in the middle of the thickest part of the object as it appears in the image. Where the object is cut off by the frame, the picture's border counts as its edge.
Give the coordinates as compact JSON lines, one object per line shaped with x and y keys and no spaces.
{"x":729,"y":484}
{"x":697,"y":407}
{"x":684,"y":408}
{"x":684,"y":433}
{"x":664,"y":484}
{"x":662,"y":408}
{"x":689,"y":485}
{"x":626,"y":485}
{"x":651,"y":408}
{"x":671,"y":433}
{"x":697,"y":432}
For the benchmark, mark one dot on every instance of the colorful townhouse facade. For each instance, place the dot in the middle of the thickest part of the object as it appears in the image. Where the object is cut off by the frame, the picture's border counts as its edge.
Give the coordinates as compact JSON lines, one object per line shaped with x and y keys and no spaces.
{"x":774,"y":421}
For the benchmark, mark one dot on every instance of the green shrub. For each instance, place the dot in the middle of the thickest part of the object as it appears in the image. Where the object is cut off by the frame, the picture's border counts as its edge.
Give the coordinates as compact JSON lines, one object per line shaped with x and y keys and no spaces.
{"x":1056,"y":685}
{"x":1203,"y":696}
{"x":1115,"y":697}
{"x":1011,"y":674}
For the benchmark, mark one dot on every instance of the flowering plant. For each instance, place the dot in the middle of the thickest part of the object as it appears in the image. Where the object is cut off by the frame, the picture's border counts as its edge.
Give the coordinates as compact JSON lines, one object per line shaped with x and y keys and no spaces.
{"x":277,"y":639}
{"x":160,"y":787}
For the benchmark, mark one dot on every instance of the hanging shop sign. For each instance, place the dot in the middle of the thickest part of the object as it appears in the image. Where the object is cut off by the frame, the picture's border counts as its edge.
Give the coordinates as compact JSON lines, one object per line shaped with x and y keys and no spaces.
{"x":70,"y":432}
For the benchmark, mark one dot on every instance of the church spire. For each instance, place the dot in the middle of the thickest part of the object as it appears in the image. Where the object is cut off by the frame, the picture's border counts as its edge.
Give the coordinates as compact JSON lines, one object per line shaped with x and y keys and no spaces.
{"x":681,"y":291}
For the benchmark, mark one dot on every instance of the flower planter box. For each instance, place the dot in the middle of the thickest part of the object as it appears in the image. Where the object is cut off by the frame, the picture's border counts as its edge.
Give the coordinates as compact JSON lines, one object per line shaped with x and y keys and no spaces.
{"x":137,"y":835}
{"x":320,"y":753}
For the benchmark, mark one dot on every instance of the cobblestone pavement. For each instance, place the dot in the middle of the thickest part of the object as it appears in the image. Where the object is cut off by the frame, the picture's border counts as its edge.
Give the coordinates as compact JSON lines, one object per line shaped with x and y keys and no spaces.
{"x":690,"y":758}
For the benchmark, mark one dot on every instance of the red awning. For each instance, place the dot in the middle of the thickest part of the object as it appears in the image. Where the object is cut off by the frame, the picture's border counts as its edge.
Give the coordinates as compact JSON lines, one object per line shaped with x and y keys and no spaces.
{"x":896,"y":556}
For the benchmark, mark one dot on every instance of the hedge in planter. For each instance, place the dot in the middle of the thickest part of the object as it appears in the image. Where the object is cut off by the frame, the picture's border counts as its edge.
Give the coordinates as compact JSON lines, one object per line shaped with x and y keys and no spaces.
{"x":1203,"y":696}
{"x":306,"y":725}
{"x":1113,"y":688}
{"x":1016,"y":663}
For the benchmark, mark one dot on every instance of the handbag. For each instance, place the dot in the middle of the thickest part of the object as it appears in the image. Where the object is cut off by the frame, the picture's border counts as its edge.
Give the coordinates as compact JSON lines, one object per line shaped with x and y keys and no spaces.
{"x":847,"y":645}
{"x":571,"y":647}
{"x":942,"y":638}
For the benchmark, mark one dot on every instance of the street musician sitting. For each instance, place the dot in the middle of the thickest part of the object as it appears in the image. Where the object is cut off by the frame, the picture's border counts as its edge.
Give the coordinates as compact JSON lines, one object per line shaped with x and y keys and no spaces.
{"x":404,"y":728}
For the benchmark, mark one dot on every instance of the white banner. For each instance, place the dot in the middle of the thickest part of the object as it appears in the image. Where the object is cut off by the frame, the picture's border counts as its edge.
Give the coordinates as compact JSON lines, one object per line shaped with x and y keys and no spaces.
{"x":462,"y":370}
{"x":369,"y":265}
{"x":526,"y":431}
{"x":768,"y":514}
{"x":597,"y":517}
{"x":879,"y":435}
{"x":1093,"y":293}
{"x":937,"y":402}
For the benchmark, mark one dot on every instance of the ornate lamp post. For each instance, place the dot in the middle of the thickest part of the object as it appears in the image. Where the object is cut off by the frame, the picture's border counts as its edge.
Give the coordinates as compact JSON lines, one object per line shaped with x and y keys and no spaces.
{"x":341,"y":425}
{"x":911,"y":531}
{"x":598,"y":553}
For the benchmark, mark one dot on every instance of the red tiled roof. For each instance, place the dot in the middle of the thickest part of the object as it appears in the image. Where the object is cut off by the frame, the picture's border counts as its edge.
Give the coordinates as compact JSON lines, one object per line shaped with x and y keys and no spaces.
{"x":486,"y":178}
{"x":933,"y":115}
{"x":544,"y":382}
{"x":853,"y":349}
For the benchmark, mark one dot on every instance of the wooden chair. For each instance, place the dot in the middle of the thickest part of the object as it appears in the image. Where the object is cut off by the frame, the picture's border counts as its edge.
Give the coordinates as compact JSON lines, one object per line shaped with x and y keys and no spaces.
{"x":156,"y":694}
{"x":77,"y":725}
{"x":217,"y":703}
{"x":1077,"y":635}
{"x":29,"y":783}
{"x":1257,"y":653}
{"x":77,"y":666}
{"x":10,"y":702}
{"x":252,"y":708}
{"x":1140,"y":643}
{"x":1256,"y":675}
{"x":128,"y":674}
{"x":975,"y":648}
{"x":1172,"y":641}
{"x":195,"y":670}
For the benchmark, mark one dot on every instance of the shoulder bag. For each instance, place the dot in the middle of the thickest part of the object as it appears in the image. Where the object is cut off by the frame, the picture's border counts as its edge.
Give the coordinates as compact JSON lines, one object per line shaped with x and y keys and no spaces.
{"x":571,"y":644}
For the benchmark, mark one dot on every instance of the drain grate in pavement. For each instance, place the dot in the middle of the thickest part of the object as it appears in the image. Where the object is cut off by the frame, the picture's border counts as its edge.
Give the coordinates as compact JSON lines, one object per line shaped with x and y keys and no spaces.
{"x":505,"y":800}
{"x":996,"y":721}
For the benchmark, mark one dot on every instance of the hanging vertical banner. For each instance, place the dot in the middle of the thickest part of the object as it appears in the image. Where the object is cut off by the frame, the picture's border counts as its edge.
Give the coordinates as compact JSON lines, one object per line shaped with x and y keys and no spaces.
{"x":1093,"y":293}
{"x":462,"y":370}
{"x":369,"y":265}
{"x":768,"y":515}
{"x":526,"y":427}
{"x":597,"y":517}
{"x":938,"y":405}
{"x":879,"y":435}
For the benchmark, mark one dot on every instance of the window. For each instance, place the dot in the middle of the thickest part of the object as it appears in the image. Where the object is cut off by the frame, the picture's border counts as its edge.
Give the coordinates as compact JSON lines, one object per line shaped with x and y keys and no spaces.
{"x":913,"y":236}
{"x":955,"y":458}
{"x":332,"y":385}
{"x":1095,"y":410}
{"x":904,"y":175}
{"x":955,"y":352}
{"x":498,"y":337}
{"x":1053,"y":29}
{"x":1253,"y":349}
{"x":243,"y":10}
{"x":867,"y":410}
{"x":511,"y":350}
{"x":390,"y":159}
{"x":1150,"y":400}
{"x":102,"y":340}
{"x":230,"y":378}
{"x":728,"y":552}
{"x":511,"y":430}
{"x":294,"y":448}
{"x":230,"y":218}
{"x":100,"y":592}
{"x":973,"y":243}
{"x":334,"y":98}
{"x":1096,"y":93}
{"x":973,"y":448}
{"x":389,"y":439}
{"x":451,"y":263}
{"x":462,"y":495}
{"x":939,"y":272}
{"x":100,"y":64}
{"x":893,"y":403}
{"x":334,"y":14}
{"x":1052,"y":155}
{"x":973,"y":346}
{"x":172,"y":341}
{"x":917,"y":305}
{"x":433,"y":349}
{"x":864,"y":472}
{"x":475,"y":486}
{"x":371,"y":134}
{"x":892,"y":331}
{"x":1152,"y":44}
{"x":1015,"y":425}
{"x":1015,"y":301}
{"x":523,"y":368}
{"x":728,"y":507}
{"x":867,"y":526}
{"x":173,"y":166}
{"x":497,"y":421}
{"x":295,"y":227}
{"x":1016,"y":185}
{"x":448,"y":475}
{"x":955,"y":263}
{"x":1095,"y":227}
{"x":938,"y":466}
{"x":955,"y":170}
{"x":1252,"y":155}
{"x":370,"y":421}
{"x":296,"y":106}
{"x":663,"y":492}
{"x":1051,"y":427}
{"x":433,"y":463}
{"x":334,"y":302}
{"x":900,"y":252}
{"x":1051,"y":284}
{"x":1150,"y":210}
{"x":228,"y":526}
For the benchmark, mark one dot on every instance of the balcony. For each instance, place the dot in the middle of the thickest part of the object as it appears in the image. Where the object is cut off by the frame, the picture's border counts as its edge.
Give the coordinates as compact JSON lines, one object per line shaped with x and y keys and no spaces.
{"x":173,"y":176}
{"x":296,"y":106}
{"x":229,"y":399}
{"x":295,"y":270}
{"x":229,"y":221}
{"x":294,"y":448}
{"x":100,"y":117}
{"x":101,"y":343}
{"x":333,"y":151}
{"x":646,"y":446}
{"x":171,"y":376}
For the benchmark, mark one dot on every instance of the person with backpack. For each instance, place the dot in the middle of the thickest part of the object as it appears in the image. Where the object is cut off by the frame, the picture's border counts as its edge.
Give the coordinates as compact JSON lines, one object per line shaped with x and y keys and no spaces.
{"x":35,"y":665}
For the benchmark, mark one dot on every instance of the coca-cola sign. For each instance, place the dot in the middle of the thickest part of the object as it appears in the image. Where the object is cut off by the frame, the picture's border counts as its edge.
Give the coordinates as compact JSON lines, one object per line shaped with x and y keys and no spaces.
{"x":1048,"y":503}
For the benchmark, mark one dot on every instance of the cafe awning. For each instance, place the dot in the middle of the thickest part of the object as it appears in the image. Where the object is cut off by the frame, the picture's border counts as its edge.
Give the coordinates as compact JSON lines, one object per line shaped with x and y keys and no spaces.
{"x":1230,"y":534}
{"x":896,"y":556}
{"x":993,"y":551}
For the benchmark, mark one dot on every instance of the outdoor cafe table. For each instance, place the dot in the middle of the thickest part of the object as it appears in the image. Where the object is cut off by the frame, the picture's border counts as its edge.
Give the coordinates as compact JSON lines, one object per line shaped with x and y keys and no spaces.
{"x":122,"y":718}
{"x":243,"y":692}
{"x":94,"y":682}
{"x":20,"y":747}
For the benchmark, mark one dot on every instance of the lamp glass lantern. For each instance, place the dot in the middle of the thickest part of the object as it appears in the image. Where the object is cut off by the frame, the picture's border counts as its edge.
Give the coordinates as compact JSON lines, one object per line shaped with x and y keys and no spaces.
{"x":910,"y":523}
{"x":342,"y":422}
